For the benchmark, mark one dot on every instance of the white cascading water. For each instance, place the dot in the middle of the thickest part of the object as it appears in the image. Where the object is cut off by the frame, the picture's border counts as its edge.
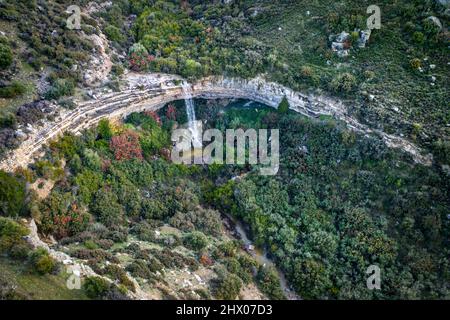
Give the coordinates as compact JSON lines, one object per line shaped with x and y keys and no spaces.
{"x":190,"y":110}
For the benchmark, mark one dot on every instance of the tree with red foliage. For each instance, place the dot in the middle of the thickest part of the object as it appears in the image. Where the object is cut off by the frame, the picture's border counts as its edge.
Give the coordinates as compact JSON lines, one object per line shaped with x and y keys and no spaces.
{"x":171,"y":112}
{"x":63,"y":222}
{"x":139,"y":58}
{"x":126,"y":146}
{"x":206,"y":260}
{"x":154,"y":115}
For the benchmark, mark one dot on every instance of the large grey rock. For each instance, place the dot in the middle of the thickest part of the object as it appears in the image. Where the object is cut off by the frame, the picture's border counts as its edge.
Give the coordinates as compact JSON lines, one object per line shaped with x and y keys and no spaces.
{"x":445,"y":3}
{"x":342,"y":36}
{"x":434,"y":20}
{"x":364,"y":36}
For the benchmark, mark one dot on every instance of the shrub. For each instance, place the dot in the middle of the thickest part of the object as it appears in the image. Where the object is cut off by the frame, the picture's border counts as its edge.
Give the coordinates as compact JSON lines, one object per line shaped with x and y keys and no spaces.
{"x":269,"y":283}
{"x":104,"y":129}
{"x":62,"y":219}
{"x":97,"y":255}
{"x":139,"y":58}
{"x":60,"y":88}
{"x":192,"y":68}
{"x":92,"y":160}
{"x":171,"y":259}
{"x":114,"y":34}
{"x":196,"y":240}
{"x":107,"y":208}
{"x":20,"y":250}
{"x":343,"y":83}
{"x":117,"y":69}
{"x":144,"y":232}
{"x":96,"y":287}
{"x":12,"y":195}
{"x":126,"y":146}
{"x":441,"y":150}
{"x":206,"y":220}
{"x":283,"y":107}
{"x":418,"y":37}
{"x":11,"y":234}
{"x":42,"y":262}
{"x":415,"y":63}
{"x":8,"y":120}
{"x":369,"y":74}
{"x":6,"y":56}
{"x":227,"y":249}
{"x":15,"y":89}
{"x":141,"y":269}
{"x":227,"y":287}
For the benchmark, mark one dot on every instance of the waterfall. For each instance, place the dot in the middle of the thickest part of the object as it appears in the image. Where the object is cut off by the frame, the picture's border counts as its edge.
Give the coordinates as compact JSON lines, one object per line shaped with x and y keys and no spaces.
{"x":190,"y":110}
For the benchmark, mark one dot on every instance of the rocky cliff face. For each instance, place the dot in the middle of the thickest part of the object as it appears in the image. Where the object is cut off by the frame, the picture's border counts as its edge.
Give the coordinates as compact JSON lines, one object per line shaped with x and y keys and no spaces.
{"x":153,"y":91}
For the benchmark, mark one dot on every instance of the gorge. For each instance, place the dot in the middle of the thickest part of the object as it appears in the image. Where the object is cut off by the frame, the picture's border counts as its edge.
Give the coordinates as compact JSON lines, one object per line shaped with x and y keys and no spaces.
{"x":152,"y":91}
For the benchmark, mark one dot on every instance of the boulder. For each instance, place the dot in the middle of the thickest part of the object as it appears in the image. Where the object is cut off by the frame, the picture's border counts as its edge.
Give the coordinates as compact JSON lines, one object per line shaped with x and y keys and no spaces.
{"x":342,"y":36}
{"x":445,"y":3}
{"x":364,"y":36}
{"x":434,"y":20}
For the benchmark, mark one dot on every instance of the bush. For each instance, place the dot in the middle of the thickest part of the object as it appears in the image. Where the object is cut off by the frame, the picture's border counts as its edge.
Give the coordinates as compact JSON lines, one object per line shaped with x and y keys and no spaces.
{"x":269,"y":283}
{"x":97,"y":255}
{"x":126,"y":146}
{"x":20,"y":250}
{"x":283,"y":107}
{"x":114,"y":34}
{"x":12,"y":195}
{"x":205,"y":220}
{"x":42,"y":262}
{"x":104,"y":129}
{"x":140,"y":269}
{"x":139,"y":58}
{"x":11,"y":234}
{"x":196,"y":240}
{"x":6,"y":56}
{"x":96,"y":287}
{"x":15,"y":89}
{"x":107,"y":208}
{"x":60,"y":88}
{"x":8,"y":120}
{"x":415,"y":63}
{"x":343,"y":83}
{"x":227,"y":287}
{"x":419,"y":37}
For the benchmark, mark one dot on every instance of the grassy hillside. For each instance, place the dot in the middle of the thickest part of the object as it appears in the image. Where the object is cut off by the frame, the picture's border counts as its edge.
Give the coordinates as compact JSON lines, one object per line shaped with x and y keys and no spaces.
{"x":29,"y":285}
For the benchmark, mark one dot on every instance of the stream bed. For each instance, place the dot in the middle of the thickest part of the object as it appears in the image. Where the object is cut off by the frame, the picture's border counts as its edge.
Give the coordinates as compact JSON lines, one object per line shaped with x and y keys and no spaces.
{"x":260,"y":255}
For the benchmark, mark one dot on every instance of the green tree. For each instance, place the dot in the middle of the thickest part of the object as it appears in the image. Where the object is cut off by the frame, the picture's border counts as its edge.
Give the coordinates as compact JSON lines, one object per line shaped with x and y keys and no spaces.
{"x":104,"y":129}
{"x":107,"y":208}
{"x":283,"y":107}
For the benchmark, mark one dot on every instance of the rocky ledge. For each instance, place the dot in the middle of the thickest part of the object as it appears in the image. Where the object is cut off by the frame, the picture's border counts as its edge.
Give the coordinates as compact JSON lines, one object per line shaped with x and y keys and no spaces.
{"x":152,"y":91}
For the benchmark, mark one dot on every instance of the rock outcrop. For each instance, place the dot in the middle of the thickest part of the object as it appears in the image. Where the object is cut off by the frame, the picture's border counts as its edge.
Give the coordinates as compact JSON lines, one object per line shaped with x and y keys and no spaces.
{"x":78,"y":268}
{"x":153,"y":91}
